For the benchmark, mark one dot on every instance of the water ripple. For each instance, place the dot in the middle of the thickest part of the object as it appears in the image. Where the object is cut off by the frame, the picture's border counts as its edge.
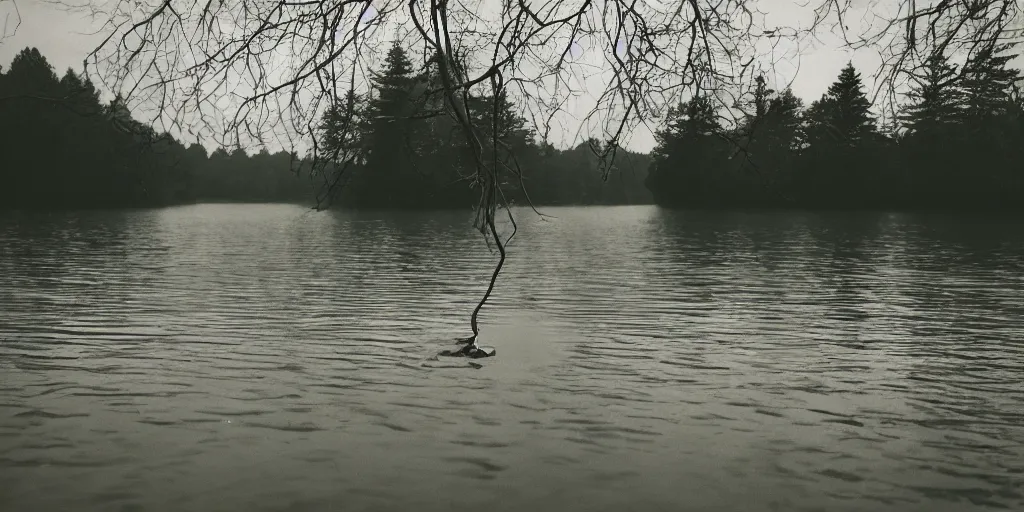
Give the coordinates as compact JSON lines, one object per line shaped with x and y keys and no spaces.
{"x":279,"y":359}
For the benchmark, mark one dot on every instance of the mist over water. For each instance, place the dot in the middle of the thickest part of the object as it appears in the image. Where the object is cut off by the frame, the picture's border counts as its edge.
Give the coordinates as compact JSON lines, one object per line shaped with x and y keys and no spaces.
{"x":268,"y":358}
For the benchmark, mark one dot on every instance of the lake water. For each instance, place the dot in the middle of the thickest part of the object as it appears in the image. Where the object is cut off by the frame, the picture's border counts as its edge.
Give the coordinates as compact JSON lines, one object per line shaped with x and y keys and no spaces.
{"x":270,"y":358}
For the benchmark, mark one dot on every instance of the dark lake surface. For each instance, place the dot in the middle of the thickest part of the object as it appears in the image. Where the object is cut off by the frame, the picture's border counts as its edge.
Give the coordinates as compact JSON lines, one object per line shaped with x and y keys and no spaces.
{"x":270,"y":358}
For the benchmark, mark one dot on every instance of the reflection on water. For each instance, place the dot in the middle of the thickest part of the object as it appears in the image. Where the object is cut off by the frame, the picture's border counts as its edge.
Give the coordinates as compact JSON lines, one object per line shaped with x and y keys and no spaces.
{"x":263,"y":357}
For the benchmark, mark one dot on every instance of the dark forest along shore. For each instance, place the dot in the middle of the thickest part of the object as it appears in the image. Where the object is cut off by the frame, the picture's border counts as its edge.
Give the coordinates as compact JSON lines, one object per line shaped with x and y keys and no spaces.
{"x":268,"y":357}
{"x":954,"y":147}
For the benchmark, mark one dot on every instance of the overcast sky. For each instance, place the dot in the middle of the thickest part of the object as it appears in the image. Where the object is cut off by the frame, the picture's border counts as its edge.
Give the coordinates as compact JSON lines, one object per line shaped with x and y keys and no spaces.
{"x":64,"y":39}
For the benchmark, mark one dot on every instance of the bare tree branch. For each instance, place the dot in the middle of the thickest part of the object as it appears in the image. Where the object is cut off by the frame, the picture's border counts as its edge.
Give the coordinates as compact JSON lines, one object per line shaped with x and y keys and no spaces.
{"x":11,"y":16}
{"x":261,"y":72}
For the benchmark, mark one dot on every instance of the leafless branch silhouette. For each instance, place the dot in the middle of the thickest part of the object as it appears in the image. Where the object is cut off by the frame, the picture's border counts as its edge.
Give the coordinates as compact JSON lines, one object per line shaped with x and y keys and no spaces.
{"x":906,"y":33}
{"x":11,"y":19}
{"x":256,"y":72}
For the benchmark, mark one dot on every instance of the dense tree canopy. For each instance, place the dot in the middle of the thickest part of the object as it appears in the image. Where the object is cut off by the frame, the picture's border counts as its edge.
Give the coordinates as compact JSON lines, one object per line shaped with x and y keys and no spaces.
{"x":396,"y":154}
{"x":960,"y":146}
{"x":62,"y":147}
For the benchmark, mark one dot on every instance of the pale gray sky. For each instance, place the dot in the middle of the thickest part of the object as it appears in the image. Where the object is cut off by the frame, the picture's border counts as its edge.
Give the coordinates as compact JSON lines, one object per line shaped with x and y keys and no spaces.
{"x":64,"y":39}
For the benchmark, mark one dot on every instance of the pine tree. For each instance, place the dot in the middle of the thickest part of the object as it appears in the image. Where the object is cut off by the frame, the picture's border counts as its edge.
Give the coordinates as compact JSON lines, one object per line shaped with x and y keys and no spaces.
{"x":782,"y":136}
{"x":688,"y":154}
{"x":768,"y":137}
{"x":935,"y":99}
{"x":511,"y":127}
{"x":842,"y":115}
{"x":761,"y":95}
{"x":987,"y":83}
{"x":932,"y":150}
{"x":340,"y":132}
{"x":752,"y":121}
{"x":783,"y":120}
{"x":31,"y":73}
{"x":395,"y":82}
{"x":392,"y":176}
{"x":842,"y":157}
{"x":70,"y":81}
{"x":993,"y":143}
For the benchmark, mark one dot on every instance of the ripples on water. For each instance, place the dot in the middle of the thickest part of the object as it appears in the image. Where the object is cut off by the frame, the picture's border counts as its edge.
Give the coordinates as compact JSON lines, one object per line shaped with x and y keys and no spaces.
{"x":263,"y":357}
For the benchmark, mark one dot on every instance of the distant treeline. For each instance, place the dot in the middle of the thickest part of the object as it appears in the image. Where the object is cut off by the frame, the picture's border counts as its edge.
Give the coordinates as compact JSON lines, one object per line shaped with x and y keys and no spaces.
{"x":959,"y":144}
{"x":398,"y":152}
{"x":61,"y":147}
